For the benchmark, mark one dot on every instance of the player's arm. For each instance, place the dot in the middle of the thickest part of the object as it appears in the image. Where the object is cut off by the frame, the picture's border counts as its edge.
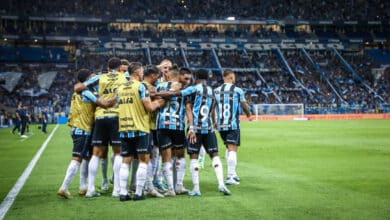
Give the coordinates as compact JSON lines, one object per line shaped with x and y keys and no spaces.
{"x":185,"y":92}
{"x":149,"y":105}
{"x":78,"y":87}
{"x":245,"y":107}
{"x":104,"y":103}
{"x":191,"y":131}
{"x":213,"y":115}
{"x":244,"y":103}
{"x":18,"y":116}
{"x":152,"y":91}
{"x":152,"y":106}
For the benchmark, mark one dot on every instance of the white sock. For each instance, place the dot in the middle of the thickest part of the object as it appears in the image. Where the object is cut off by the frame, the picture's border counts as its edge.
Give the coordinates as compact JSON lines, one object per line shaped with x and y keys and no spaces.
{"x":104,"y":164}
{"x":84,"y":174}
{"x":123,"y":176}
{"x":231,"y":163}
{"x":112,"y":164}
{"x":202,"y":153}
{"x":149,"y":177}
{"x":116,"y":171}
{"x":159,"y":174}
{"x":141,"y":177}
{"x":194,"y":170}
{"x":218,"y":170}
{"x":134,"y":168}
{"x":92,"y":170}
{"x":180,"y":170}
{"x":70,"y":173}
{"x":167,"y":171}
{"x":155,"y":160}
{"x":174,"y":171}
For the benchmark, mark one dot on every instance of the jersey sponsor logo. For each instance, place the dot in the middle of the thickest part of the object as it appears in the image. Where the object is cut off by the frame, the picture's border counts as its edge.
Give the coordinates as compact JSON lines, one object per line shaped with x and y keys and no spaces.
{"x":125,"y":101}
{"x":110,"y":112}
{"x":126,"y":119}
{"x":109,"y":91}
{"x":128,"y":126}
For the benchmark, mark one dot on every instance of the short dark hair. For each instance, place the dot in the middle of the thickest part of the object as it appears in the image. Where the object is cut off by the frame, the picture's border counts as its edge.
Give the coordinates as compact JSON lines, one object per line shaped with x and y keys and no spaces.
{"x":83,"y":74}
{"x":202,"y":74}
{"x":227,"y":72}
{"x":185,"y":70}
{"x":134,"y":66}
{"x":125,"y":62}
{"x":151,"y":69}
{"x":114,"y":63}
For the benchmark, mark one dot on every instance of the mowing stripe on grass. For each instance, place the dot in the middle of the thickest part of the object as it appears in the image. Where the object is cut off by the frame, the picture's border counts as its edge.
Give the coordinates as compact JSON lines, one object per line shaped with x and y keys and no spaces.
{"x":10,"y":198}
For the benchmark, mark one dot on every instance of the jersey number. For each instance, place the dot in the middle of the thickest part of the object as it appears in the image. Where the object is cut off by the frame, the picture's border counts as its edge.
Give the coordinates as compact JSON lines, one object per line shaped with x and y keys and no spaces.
{"x":204,"y":112}
{"x":224,"y":110}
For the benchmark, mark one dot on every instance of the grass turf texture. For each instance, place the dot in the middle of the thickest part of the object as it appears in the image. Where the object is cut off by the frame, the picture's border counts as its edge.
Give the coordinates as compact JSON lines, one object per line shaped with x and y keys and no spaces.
{"x":288,"y":170}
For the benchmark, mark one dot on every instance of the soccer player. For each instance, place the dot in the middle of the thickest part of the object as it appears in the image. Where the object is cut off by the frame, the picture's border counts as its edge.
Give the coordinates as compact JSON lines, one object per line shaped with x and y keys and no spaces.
{"x":23,"y":120}
{"x":106,"y":125}
{"x":151,"y":75}
{"x":229,"y":99}
{"x":200,"y":108}
{"x":171,"y":135}
{"x":18,"y":119}
{"x":164,"y":68}
{"x":81,"y":119}
{"x":134,"y":104}
{"x":44,"y":120}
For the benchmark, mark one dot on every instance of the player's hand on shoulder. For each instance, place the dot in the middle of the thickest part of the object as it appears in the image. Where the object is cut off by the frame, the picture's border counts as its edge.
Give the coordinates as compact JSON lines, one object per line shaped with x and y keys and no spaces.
{"x":175,"y":86}
{"x":79,"y":87}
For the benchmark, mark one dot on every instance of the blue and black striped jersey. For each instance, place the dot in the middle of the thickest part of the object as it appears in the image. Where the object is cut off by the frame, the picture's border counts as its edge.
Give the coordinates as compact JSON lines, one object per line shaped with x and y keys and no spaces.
{"x":171,"y":115}
{"x":203,"y":100}
{"x":228,"y":98}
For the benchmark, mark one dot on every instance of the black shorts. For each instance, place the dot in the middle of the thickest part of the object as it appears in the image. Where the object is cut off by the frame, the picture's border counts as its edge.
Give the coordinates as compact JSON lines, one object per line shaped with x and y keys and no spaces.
{"x":131,"y":147}
{"x":106,"y":132}
{"x":231,"y":137}
{"x":209,"y":142}
{"x":82,"y":147}
{"x":167,"y":138}
{"x":153,"y":138}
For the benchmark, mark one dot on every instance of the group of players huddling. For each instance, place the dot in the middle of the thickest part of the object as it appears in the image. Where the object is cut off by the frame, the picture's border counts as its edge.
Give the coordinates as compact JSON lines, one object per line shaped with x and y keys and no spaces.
{"x":142,"y":113}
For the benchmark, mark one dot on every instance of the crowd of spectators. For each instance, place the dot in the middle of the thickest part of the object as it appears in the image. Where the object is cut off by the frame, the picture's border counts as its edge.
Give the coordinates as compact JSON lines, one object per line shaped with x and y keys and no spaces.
{"x":57,"y":98}
{"x":261,"y":74}
{"x":185,"y":9}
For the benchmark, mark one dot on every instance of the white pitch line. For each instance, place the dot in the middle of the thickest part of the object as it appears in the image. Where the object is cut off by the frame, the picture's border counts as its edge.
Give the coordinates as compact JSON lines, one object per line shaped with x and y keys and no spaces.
{"x":10,"y":198}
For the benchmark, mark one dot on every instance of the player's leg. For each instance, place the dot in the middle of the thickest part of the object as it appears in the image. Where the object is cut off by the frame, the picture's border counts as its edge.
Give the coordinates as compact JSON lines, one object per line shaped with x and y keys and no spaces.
{"x":24,"y":124}
{"x":116,"y":149}
{"x":93,"y":166}
{"x":143,"y":152}
{"x":78,"y":145}
{"x":100,"y":143}
{"x":180,"y":164}
{"x":193,"y":151}
{"x":149,"y":187}
{"x":104,"y":165}
{"x":202,"y":157}
{"x":86,"y":156}
{"x":232,"y":142}
{"x":212,"y":149}
{"x":116,"y":170}
{"x":166,"y":155}
{"x":127,"y":153}
{"x":134,"y":167}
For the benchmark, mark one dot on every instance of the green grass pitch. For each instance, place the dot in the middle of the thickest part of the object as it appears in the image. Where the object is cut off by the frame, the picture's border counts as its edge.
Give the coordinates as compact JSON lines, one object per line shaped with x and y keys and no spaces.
{"x":288,"y":170}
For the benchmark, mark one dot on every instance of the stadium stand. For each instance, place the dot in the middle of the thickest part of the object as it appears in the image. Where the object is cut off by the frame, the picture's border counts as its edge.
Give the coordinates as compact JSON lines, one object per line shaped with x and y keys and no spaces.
{"x":330,"y":54}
